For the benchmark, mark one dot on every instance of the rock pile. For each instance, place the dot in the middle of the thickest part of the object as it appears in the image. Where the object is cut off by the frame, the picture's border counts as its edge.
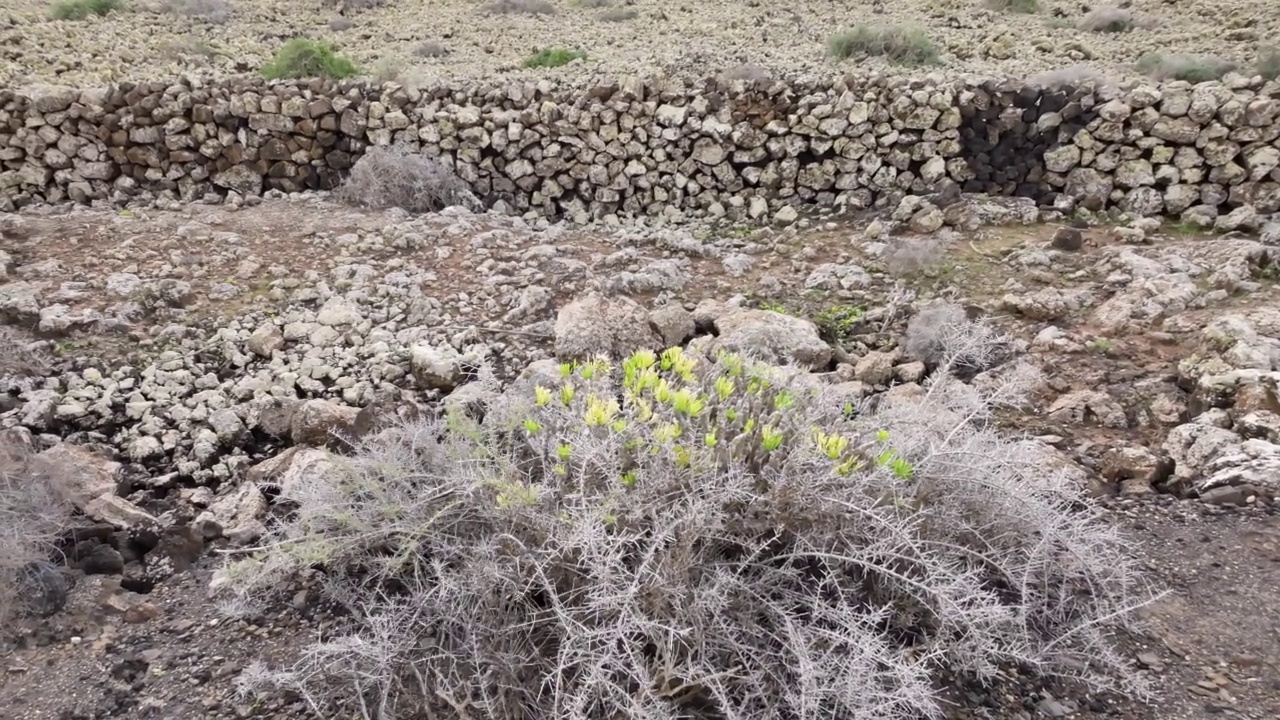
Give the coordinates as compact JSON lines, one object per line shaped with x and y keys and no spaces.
{"x":748,"y":150}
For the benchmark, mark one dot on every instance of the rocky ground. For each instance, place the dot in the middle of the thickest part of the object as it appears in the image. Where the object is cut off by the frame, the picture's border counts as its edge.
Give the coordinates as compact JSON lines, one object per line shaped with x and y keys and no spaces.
{"x":192,"y":345}
{"x":410,"y":39}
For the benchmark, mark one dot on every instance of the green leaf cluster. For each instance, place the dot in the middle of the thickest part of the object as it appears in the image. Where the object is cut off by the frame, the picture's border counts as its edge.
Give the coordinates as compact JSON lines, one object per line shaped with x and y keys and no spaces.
{"x":678,"y":412}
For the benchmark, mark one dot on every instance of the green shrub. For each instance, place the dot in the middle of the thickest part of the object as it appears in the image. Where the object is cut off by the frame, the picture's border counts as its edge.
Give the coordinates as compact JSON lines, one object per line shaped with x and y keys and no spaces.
{"x":213,"y":11}
{"x":81,"y":9}
{"x":897,"y":44}
{"x":305,"y":58}
{"x":1183,"y":67}
{"x":1101,"y":346}
{"x":838,"y":324}
{"x":554,"y":57}
{"x":1269,"y":62}
{"x":687,"y":536}
{"x":772,"y":306}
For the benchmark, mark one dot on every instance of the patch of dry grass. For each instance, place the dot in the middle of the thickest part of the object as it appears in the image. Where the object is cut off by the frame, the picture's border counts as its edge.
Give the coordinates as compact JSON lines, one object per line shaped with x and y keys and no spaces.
{"x":910,"y":257}
{"x":430,"y":49}
{"x":1107,"y":19}
{"x":391,"y":69}
{"x":213,"y":11}
{"x":900,"y":45}
{"x":1193,"y":69}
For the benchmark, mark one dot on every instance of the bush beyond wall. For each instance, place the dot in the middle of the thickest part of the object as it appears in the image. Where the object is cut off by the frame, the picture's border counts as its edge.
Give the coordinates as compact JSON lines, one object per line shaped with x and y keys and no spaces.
{"x":659,"y":147}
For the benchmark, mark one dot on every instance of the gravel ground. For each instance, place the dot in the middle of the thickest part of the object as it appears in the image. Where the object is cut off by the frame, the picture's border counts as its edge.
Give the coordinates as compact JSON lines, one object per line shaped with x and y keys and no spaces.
{"x":147,"y":40}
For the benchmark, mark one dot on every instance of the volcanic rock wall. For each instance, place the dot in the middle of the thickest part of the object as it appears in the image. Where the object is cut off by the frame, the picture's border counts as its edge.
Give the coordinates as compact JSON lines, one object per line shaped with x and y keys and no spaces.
{"x":660,"y":147}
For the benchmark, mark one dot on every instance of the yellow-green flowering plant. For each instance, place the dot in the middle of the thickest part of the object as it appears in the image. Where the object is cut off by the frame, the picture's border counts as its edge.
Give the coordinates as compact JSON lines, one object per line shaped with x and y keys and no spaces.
{"x":690,"y":524}
{"x":696,"y":414}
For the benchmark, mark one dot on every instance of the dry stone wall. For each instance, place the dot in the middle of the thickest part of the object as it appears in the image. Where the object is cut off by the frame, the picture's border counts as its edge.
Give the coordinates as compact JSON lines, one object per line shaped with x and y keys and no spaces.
{"x":661,"y":147}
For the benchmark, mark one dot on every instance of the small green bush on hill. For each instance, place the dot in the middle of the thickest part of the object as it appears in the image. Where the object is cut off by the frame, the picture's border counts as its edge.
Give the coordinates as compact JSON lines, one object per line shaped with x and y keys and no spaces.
{"x":82,"y":9}
{"x":306,"y":58}
{"x":898,"y":44}
{"x":554,"y":57}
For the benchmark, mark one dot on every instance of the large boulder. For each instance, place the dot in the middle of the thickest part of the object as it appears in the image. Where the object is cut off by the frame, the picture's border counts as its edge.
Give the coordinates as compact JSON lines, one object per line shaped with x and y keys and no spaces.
{"x":597,"y":325}
{"x":323,"y":423}
{"x":768,"y":336}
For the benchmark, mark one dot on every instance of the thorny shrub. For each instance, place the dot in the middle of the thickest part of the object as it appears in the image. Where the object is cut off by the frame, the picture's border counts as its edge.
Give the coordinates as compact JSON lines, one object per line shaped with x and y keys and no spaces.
{"x":909,"y":257}
{"x":394,"y":176}
{"x":942,"y":334}
{"x":32,"y":516}
{"x":519,"y":7}
{"x":430,"y":49}
{"x":689,"y":537}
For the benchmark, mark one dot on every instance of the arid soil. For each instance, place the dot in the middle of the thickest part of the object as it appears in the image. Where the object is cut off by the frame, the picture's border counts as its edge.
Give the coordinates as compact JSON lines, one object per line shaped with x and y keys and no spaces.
{"x":1212,"y":643}
{"x":150,"y":39}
